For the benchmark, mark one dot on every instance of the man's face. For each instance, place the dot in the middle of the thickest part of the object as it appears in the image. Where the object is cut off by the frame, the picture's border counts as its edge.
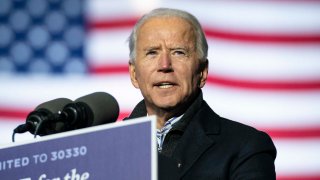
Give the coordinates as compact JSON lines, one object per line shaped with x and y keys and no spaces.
{"x":167,"y":68}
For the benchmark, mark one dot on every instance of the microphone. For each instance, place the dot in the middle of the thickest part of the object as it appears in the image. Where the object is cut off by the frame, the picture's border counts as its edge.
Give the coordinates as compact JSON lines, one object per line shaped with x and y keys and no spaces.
{"x":60,"y":115}
{"x":44,"y":114}
{"x":90,"y":110}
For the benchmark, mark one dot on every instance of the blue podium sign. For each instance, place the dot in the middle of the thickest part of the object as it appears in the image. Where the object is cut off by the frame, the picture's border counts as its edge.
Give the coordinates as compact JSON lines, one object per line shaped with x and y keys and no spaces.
{"x":118,"y":151}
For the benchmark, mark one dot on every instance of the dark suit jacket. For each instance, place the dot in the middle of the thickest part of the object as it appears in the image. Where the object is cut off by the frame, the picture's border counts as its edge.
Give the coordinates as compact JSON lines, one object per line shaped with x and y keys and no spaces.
{"x":212,"y":147}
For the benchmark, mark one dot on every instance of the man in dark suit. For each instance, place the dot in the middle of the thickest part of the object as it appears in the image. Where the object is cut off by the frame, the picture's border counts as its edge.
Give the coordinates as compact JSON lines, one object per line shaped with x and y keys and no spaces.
{"x":168,"y":63}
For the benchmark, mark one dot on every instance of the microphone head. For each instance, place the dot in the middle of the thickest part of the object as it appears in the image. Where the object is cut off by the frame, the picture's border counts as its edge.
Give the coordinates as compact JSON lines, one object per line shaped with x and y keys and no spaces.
{"x":53,"y":106}
{"x":46,"y":113}
{"x":102,"y":106}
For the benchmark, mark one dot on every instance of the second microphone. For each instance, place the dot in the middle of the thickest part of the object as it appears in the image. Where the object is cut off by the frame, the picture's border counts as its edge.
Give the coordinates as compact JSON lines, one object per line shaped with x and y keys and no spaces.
{"x":60,"y":115}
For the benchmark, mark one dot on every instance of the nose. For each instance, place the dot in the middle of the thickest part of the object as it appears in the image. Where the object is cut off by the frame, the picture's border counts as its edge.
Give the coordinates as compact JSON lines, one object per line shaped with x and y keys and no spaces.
{"x":165,"y":63}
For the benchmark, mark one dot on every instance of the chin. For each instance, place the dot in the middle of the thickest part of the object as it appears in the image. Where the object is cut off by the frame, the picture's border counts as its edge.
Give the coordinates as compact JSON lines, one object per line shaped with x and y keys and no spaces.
{"x":166,"y":105}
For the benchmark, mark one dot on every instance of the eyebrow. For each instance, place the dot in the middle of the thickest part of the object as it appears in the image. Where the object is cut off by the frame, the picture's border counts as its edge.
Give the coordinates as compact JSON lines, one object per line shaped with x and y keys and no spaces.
{"x":151,"y":48}
{"x":157,"y":47}
{"x":179,"y":47}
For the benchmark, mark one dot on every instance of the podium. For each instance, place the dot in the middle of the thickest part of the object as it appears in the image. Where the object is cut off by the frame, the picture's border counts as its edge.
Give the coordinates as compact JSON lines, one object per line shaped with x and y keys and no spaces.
{"x":117,"y":151}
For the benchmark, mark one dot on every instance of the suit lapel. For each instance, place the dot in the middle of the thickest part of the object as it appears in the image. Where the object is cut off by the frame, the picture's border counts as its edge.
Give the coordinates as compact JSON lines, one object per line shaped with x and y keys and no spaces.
{"x":195,"y":140}
{"x":189,"y":150}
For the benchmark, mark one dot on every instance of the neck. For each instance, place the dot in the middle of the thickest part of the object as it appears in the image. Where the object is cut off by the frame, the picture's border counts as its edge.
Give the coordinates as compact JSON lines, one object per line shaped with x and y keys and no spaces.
{"x":163,"y":115}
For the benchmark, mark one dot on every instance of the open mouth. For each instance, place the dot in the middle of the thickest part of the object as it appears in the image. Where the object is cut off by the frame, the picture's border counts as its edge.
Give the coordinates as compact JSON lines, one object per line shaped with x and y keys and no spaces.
{"x":164,"y":85}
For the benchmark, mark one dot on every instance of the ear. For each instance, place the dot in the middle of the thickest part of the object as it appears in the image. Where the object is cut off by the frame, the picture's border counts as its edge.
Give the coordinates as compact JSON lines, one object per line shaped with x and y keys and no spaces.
{"x":203,"y":73}
{"x":132,"y":71}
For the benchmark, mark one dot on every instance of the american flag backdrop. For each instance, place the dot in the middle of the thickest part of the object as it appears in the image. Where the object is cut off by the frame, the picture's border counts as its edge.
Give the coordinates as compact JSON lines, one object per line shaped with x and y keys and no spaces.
{"x":264,"y":64}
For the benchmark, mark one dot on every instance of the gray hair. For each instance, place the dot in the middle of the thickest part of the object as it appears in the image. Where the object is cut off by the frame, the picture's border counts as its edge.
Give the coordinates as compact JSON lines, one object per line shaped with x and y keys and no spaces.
{"x":201,"y":42}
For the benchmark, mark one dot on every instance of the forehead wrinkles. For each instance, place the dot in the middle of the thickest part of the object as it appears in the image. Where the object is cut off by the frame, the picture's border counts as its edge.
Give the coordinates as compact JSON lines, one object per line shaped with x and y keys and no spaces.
{"x":175,"y":31}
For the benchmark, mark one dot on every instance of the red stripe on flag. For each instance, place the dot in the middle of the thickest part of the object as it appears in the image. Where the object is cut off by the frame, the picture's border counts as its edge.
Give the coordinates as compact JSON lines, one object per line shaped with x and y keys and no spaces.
{"x":109,"y":69}
{"x":301,"y":132}
{"x":212,"y":32}
{"x":299,"y":177}
{"x":14,"y":113}
{"x":264,"y":85}
{"x":262,"y":38}
{"x":112,"y":23}
{"x":123,"y":115}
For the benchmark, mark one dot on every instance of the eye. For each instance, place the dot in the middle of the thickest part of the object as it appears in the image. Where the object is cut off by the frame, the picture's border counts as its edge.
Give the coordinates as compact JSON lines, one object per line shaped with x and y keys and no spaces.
{"x":151,"y":53}
{"x":179,"y":53}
